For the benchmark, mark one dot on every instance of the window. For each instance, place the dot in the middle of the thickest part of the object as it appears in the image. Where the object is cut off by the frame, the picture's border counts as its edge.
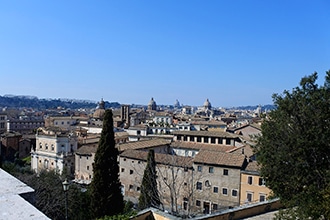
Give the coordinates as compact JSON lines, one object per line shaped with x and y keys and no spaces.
{"x":185,"y":203}
{"x":225,"y":191}
{"x":199,"y":168}
{"x":250,"y":180}
{"x":86,"y":158}
{"x":225,"y":172}
{"x":261,"y":182}
{"x":199,"y":185}
{"x":211,"y":169}
{"x":206,"y":140}
{"x":262,"y":197}
{"x":122,"y":169}
{"x":198,"y":203}
{"x":214,"y":207}
{"x":186,"y":169}
{"x":207,"y":183}
{"x":179,"y":137}
{"x":249,"y":197}
{"x":215,"y":189}
{"x":52,"y":146}
{"x":131,"y":172}
{"x":212,"y":140}
{"x":199,"y":139}
{"x":138,"y":188}
{"x":40,"y":145}
{"x":227,"y":141}
{"x":46,"y":164}
{"x":130,"y":187}
{"x":234,"y":192}
{"x":46,"y":146}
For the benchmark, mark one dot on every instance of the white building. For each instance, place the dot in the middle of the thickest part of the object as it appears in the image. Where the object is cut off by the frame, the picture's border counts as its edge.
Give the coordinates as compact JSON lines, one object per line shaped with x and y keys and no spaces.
{"x":54,"y":151}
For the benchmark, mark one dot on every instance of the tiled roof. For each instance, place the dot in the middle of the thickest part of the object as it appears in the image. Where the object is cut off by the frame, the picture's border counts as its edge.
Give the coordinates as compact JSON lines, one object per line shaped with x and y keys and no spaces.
{"x":207,"y":133}
{"x":213,"y":122}
{"x":143,"y":144}
{"x":253,"y":166}
{"x":159,"y":158}
{"x":87,"y":149}
{"x":219,"y":158}
{"x":199,"y":146}
{"x":246,"y":150}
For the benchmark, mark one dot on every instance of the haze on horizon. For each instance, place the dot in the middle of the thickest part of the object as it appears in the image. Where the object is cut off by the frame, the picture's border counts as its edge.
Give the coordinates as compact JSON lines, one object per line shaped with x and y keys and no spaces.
{"x":234,"y":53}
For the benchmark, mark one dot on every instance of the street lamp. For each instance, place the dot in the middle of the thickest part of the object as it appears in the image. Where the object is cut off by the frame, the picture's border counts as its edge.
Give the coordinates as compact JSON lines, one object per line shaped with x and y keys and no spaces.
{"x":66,"y":188}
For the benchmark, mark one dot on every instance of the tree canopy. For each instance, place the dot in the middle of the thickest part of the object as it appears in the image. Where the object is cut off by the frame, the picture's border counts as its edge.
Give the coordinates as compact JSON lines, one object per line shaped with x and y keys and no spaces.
{"x":106,"y":196}
{"x":149,"y":196}
{"x":294,"y":149}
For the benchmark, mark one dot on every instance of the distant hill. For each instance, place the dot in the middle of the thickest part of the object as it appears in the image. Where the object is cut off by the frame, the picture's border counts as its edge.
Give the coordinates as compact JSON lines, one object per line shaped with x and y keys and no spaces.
{"x":12,"y":101}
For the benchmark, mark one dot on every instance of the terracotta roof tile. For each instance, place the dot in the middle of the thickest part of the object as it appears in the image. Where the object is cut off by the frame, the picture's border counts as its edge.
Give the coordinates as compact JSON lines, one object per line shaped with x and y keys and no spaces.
{"x":220,"y":158}
{"x":143,"y":144}
{"x":159,"y":158}
{"x":87,"y":149}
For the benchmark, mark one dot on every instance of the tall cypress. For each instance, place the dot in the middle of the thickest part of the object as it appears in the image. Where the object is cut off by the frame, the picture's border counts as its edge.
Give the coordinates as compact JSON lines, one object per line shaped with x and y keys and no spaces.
{"x":149,"y":196}
{"x":106,"y":196}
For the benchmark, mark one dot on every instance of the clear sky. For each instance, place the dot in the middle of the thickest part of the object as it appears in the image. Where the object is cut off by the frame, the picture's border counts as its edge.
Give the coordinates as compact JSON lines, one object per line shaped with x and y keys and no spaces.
{"x":232,"y":52}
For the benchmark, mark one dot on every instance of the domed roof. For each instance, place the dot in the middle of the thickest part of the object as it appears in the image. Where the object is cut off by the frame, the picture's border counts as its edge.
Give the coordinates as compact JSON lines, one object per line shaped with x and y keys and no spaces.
{"x":152,"y":104}
{"x":99,"y":113}
{"x":207,"y":104}
{"x":100,"y":110}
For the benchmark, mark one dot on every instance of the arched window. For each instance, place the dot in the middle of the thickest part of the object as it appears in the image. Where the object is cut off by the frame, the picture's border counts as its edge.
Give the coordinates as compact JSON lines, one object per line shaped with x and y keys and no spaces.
{"x":46,"y":164}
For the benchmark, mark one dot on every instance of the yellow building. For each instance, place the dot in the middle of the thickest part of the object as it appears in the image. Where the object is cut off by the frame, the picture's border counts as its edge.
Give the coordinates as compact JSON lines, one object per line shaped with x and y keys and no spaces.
{"x":253,"y":188}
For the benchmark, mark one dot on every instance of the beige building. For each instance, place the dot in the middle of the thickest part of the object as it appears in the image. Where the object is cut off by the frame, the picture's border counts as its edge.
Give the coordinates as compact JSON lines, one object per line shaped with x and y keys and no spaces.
{"x":54,"y":151}
{"x":64,"y":122}
{"x":174,"y":182}
{"x":208,"y":137}
{"x":84,"y":159}
{"x":218,"y":186}
{"x":253,"y":188}
{"x":84,"y":156}
{"x":203,"y":178}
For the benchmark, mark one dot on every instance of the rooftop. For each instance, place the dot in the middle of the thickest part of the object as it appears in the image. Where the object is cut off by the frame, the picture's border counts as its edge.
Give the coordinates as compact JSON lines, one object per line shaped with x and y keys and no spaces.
{"x":143,"y":144}
{"x":12,"y":205}
{"x":220,"y":158}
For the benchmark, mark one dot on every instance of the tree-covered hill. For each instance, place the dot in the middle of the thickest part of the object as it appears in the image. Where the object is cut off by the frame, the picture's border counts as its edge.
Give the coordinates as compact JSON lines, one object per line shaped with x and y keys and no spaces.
{"x":12,"y":101}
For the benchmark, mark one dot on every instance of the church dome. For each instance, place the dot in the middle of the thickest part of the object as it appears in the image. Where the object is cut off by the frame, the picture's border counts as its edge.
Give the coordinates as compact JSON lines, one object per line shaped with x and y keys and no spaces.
{"x":207,"y":104}
{"x":152,"y":104}
{"x":100,"y":110}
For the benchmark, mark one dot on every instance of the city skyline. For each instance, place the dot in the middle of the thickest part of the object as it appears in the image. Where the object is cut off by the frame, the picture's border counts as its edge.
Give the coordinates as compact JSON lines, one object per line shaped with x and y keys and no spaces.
{"x":233,"y":53}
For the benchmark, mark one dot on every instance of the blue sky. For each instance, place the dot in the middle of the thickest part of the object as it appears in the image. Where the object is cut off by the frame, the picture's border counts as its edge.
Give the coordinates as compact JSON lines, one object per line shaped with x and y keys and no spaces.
{"x":232,"y":52}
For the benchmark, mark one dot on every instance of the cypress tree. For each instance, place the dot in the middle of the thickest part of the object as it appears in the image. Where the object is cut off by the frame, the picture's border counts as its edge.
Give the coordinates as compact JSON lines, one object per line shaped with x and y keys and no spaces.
{"x":149,"y":196}
{"x":106,"y":196}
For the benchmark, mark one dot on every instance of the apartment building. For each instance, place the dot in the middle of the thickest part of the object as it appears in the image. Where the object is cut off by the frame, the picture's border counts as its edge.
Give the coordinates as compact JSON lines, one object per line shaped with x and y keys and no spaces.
{"x":253,"y":187}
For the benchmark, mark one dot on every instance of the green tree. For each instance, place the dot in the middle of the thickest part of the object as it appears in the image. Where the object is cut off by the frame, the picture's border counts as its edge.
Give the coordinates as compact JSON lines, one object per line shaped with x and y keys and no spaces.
{"x":106,"y":196}
{"x":149,"y":196}
{"x":294,"y":149}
